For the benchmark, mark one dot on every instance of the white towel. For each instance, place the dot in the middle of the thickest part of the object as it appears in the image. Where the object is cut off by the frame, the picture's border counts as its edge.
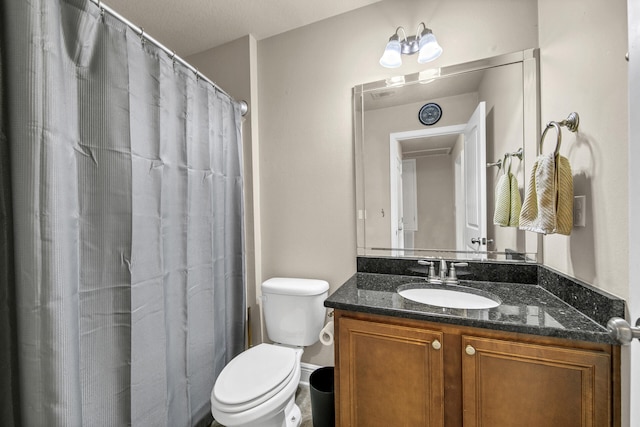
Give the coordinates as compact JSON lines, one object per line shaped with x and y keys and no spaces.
{"x":548,"y":203}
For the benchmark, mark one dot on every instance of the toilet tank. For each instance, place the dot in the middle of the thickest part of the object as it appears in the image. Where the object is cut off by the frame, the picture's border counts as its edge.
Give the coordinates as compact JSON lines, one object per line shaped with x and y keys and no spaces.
{"x":294,"y":309}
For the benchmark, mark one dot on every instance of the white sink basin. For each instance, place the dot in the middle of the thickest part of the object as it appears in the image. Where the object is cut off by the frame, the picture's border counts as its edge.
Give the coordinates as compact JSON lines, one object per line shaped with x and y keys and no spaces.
{"x":458,"y":297}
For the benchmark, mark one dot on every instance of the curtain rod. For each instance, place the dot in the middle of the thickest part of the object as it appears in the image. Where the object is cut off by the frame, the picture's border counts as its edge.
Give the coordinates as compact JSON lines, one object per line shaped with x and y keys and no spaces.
{"x":244,"y":106}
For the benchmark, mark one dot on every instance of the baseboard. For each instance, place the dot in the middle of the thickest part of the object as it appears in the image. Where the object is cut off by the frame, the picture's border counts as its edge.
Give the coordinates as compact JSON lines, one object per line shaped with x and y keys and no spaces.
{"x":305,"y":372}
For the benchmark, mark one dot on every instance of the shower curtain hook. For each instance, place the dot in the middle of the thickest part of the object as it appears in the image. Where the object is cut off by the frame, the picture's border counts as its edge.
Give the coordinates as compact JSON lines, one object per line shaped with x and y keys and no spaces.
{"x":173,"y":57}
{"x":101,"y":10}
{"x":142,"y":35}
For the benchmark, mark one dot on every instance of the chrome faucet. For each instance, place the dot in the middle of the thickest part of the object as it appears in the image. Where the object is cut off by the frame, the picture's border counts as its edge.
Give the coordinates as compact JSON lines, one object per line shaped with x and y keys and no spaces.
{"x":442,"y":277}
{"x":443,"y":271}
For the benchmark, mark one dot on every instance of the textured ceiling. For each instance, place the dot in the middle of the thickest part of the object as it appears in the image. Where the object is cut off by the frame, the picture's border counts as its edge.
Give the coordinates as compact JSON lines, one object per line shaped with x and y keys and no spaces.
{"x":192,"y":26}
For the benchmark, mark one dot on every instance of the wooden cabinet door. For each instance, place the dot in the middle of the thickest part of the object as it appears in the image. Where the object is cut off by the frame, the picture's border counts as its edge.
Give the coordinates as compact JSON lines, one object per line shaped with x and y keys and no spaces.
{"x":389,"y":375}
{"x":515,"y":384}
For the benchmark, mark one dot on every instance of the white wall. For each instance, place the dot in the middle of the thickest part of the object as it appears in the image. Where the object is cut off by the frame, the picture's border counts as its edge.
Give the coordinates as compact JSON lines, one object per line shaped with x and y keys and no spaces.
{"x":436,"y":202}
{"x":305,"y":79}
{"x":583,"y":68}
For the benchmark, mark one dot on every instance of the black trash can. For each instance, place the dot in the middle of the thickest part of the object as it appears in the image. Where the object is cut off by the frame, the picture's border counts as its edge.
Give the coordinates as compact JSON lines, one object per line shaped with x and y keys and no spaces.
{"x":323,"y":410}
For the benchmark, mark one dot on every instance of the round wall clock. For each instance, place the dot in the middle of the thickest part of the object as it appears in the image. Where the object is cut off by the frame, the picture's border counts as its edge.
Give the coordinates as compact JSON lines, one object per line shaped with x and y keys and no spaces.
{"x":430,"y":114}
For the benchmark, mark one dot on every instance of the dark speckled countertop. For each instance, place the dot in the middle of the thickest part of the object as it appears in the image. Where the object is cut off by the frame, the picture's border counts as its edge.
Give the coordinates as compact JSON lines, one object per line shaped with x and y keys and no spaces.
{"x":529,"y":308}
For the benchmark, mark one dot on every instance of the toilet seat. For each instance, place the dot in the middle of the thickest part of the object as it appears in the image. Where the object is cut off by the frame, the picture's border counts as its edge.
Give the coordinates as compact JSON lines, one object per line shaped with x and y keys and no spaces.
{"x":254,"y":377}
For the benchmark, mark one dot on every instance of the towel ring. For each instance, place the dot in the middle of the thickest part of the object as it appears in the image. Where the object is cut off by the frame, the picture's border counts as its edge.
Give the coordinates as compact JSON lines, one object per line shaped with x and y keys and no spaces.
{"x":559,"y":141}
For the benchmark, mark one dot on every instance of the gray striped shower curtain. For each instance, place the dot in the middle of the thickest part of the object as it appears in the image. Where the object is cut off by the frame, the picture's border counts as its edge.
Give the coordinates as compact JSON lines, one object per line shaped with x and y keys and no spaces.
{"x":121,"y":241}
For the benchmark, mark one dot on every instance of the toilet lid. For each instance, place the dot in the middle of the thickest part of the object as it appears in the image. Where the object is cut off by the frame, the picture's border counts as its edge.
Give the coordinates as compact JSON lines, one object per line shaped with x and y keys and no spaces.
{"x":254,"y":373}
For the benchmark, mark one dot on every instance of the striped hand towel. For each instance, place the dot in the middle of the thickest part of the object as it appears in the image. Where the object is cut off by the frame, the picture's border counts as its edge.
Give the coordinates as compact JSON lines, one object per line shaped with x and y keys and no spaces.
{"x":548,"y":203}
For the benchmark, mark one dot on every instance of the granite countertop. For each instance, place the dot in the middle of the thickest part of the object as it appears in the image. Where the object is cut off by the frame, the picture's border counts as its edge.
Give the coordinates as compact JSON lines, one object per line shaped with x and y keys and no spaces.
{"x":525,"y":308}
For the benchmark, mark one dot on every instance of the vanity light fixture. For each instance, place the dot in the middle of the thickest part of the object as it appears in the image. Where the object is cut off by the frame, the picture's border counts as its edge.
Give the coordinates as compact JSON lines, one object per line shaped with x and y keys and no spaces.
{"x":424,"y":42}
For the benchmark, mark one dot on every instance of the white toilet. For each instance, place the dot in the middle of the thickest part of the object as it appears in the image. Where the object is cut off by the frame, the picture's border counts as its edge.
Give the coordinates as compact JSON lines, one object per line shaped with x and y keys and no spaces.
{"x":257,"y":388}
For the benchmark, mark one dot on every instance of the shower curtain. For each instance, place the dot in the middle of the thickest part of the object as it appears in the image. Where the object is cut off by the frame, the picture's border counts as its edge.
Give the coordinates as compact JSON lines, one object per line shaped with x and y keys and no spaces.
{"x":121,"y":262}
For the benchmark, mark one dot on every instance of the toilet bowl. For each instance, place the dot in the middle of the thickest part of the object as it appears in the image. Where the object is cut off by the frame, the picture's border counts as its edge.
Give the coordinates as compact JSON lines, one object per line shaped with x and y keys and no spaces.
{"x":257,"y":388}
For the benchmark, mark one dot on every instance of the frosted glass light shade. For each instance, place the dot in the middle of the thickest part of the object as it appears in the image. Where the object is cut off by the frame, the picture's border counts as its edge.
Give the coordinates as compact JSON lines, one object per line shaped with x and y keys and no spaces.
{"x":391,"y":58}
{"x":429,"y":49}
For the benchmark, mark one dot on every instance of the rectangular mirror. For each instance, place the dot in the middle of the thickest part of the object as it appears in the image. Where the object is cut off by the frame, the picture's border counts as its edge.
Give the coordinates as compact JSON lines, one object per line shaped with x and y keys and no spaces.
{"x":425,"y":144}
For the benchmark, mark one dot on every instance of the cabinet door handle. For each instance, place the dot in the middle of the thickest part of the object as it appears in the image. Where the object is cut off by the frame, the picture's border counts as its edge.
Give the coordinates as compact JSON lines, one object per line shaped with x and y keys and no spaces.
{"x":470,"y":350}
{"x":436,"y":345}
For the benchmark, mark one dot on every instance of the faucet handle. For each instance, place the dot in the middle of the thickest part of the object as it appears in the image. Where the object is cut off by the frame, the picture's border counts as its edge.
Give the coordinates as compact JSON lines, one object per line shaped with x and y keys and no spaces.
{"x":431,"y":273}
{"x":453,"y":279}
{"x":432,"y":278}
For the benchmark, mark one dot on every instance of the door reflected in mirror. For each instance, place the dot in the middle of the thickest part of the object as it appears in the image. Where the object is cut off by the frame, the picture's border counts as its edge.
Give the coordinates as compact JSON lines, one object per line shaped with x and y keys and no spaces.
{"x":426,"y":190}
{"x":437,"y":186}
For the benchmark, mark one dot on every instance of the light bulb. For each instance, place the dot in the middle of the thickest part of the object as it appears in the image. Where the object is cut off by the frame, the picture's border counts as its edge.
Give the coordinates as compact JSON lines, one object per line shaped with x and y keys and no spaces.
{"x":391,"y":58}
{"x":429,"y":48}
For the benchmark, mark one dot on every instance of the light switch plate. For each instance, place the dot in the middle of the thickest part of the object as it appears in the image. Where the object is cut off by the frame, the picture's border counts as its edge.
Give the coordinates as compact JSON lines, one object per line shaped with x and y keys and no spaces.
{"x":579,"y":211}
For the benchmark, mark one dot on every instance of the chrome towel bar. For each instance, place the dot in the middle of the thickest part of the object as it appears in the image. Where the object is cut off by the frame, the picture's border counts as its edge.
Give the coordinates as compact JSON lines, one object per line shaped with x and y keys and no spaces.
{"x":517,"y":153}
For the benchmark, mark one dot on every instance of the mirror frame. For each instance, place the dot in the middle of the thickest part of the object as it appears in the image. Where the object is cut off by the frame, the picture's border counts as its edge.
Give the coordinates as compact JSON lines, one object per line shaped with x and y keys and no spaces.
{"x":531,"y":134}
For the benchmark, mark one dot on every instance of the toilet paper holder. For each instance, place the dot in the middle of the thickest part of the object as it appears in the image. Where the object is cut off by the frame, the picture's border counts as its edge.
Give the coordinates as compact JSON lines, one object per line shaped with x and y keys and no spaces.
{"x":326,"y":334}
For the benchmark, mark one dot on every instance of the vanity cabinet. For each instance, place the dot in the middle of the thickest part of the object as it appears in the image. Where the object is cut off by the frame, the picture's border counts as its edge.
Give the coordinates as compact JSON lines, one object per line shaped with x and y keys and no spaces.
{"x":391,"y":375}
{"x":401,"y":372}
{"x":506,"y":383}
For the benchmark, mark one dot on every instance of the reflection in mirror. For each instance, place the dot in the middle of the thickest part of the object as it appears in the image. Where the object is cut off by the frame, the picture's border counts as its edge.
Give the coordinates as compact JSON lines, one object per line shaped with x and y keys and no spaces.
{"x":425,"y":189}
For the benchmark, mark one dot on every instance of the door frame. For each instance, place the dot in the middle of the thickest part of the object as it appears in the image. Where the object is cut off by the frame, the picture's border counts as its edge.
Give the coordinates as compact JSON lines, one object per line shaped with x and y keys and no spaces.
{"x":631,"y":354}
{"x":395,"y":139}
{"x":395,"y":199}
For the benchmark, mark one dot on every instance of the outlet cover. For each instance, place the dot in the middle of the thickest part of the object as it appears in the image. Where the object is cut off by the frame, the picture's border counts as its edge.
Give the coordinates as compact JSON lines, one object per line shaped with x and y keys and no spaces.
{"x":579,"y":211}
